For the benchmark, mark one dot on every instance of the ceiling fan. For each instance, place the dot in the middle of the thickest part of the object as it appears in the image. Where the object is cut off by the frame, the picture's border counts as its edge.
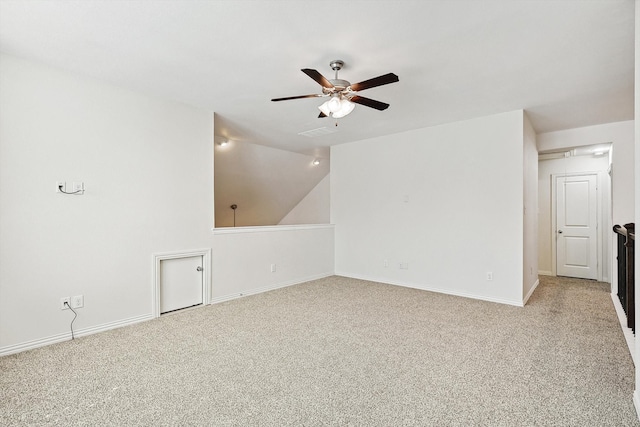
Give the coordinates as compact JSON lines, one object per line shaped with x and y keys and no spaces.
{"x":343,"y":95}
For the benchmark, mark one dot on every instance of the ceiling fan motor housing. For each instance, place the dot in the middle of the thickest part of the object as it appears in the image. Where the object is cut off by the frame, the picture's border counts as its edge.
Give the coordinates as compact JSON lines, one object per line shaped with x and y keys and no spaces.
{"x":339,"y":85}
{"x":336,"y":64}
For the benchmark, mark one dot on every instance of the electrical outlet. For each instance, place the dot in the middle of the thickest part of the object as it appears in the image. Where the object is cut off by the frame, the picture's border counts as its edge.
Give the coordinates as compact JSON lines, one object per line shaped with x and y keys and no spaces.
{"x":77,"y":301}
{"x":404,"y":266}
{"x":64,"y":306}
{"x":489,"y":275}
{"x":78,"y":187}
{"x":386,"y":263}
{"x":61,"y":186}
{"x":273,"y":268}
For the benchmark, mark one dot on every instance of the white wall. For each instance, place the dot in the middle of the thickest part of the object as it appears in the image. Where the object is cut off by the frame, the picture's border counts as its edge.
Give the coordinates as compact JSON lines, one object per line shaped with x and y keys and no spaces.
{"x":147,"y":165}
{"x":313,"y":209}
{"x":147,"y":169}
{"x":530,"y":194}
{"x":447,"y":200}
{"x":243,"y":258}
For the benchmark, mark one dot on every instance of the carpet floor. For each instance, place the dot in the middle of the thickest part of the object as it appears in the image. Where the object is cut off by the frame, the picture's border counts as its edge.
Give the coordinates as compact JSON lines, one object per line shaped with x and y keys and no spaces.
{"x":340,"y":352}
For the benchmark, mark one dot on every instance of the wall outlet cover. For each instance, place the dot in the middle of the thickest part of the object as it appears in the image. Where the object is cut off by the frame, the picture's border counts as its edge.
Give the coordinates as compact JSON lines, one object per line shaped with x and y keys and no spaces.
{"x":78,"y":187}
{"x":77,"y":301}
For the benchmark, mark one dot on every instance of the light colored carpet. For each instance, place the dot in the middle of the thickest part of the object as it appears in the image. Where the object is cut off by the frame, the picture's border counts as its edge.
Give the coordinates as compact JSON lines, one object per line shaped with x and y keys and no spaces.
{"x":340,"y":352}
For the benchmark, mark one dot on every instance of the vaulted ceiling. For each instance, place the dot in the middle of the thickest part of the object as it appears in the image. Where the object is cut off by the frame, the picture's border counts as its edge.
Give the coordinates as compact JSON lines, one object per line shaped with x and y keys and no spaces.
{"x":569,"y":63}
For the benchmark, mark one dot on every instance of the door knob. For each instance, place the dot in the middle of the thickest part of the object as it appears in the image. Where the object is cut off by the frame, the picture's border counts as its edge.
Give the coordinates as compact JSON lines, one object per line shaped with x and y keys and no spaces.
{"x":199,"y":268}
{"x":559,"y":231}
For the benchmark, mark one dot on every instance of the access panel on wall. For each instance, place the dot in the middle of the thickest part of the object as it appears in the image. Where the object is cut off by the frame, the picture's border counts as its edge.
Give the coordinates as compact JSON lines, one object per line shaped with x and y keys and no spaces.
{"x":181,"y":283}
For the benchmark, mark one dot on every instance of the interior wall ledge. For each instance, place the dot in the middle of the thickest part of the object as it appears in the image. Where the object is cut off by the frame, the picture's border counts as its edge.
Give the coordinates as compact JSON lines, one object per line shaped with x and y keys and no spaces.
{"x":269,"y":228}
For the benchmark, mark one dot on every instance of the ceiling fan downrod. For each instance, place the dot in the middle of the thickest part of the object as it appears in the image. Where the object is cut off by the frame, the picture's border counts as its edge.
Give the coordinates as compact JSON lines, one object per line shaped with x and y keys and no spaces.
{"x":336,"y":65}
{"x":338,"y":84}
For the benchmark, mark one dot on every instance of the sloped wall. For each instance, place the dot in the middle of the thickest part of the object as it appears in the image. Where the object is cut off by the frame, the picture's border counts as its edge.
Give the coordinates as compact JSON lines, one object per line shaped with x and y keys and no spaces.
{"x":313,"y":209}
{"x":265,"y":183}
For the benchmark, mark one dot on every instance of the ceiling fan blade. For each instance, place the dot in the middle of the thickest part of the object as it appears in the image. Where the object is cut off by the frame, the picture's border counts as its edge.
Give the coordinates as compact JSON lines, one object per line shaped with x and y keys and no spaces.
{"x":369,"y":102}
{"x":376,"y":81}
{"x":321,"y":115}
{"x":297,"y":97}
{"x":322,"y":81}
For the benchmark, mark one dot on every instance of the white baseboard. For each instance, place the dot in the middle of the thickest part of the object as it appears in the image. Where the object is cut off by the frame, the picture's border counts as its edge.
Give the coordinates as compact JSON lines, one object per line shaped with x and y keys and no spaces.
{"x":30,"y":345}
{"x":628,"y":333}
{"x":545,"y":273}
{"x":533,"y":288}
{"x":273,"y":287}
{"x":431,"y":289}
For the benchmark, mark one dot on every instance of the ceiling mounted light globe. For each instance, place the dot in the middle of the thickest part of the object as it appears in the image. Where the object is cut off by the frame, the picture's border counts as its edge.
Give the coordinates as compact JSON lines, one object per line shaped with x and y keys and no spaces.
{"x":325,"y":109}
{"x":345,"y":108}
{"x":334,"y":104}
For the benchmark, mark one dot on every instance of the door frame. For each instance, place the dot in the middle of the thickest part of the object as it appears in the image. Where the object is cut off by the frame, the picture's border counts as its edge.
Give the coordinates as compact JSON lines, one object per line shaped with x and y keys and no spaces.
{"x":599,"y":220}
{"x":206,"y":275}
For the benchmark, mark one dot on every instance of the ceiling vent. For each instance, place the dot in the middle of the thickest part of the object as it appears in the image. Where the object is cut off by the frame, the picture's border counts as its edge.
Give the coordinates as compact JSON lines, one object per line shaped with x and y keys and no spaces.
{"x":318,"y":132}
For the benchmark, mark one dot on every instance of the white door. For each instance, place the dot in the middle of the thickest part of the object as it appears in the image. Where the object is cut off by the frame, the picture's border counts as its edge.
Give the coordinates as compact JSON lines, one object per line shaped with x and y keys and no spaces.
{"x":576,"y":226}
{"x":180,"y":283}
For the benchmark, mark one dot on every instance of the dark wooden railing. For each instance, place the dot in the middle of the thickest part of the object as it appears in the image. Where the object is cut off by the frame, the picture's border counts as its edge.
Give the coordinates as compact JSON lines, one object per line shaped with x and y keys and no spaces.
{"x":626,"y":271}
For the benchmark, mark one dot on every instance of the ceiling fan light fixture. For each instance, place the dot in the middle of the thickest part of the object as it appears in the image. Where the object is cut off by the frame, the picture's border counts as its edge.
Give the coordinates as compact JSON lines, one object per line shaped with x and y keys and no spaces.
{"x":325,"y":109}
{"x":334,"y":104}
{"x":336,"y":107}
{"x":346,"y":107}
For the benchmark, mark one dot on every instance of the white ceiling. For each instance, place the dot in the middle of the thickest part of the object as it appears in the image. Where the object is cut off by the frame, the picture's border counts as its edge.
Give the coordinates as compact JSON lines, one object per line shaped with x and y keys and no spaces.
{"x":569,"y":63}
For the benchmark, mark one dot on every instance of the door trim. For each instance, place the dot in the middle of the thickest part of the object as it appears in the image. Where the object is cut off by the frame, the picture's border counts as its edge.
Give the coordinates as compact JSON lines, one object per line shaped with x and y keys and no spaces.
{"x":554,"y":225}
{"x":206,"y":275}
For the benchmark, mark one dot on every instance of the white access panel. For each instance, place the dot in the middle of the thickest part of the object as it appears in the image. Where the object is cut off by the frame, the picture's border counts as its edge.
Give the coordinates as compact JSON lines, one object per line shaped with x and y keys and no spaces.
{"x":180,"y":283}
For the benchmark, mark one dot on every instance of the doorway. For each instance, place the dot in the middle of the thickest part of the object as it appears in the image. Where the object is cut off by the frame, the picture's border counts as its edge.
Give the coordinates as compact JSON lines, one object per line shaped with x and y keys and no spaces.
{"x":181,"y":280}
{"x":584,"y":160}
